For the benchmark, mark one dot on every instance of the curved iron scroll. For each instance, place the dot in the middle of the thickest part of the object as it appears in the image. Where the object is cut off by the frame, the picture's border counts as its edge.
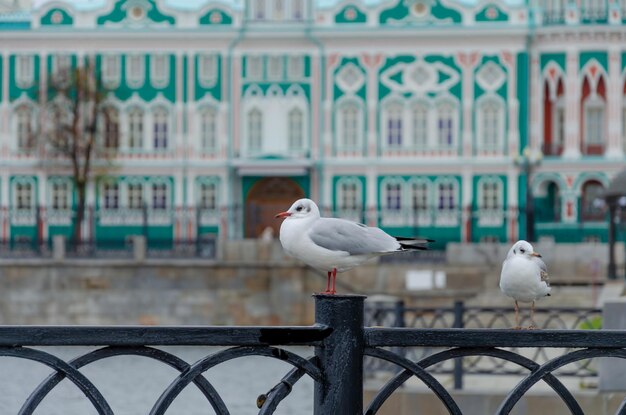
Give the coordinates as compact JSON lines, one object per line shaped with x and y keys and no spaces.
{"x":270,"y":400}
{"x":545,"y":370}
{"x":412,"y":368}
{"x":208,"y":362}
{"x":171,"y":360}
{"x":403,"y":376}
{"x":91,"y":392}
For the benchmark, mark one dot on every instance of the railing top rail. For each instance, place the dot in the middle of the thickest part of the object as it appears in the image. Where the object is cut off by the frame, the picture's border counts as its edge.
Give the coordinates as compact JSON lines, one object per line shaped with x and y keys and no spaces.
{"x":382,"y":337}
{"x":391,"y":307}
{"x":11,"y":336}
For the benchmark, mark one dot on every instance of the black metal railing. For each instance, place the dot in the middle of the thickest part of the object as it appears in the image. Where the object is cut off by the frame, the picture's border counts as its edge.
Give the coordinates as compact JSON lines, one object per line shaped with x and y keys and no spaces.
{"x":461,"y":316}
{"x":339,"y":340}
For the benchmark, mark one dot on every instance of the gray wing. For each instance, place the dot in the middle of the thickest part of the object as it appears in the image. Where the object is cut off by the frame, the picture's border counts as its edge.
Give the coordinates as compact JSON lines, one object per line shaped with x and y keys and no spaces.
{"x":351,"y":237}
{"x":543,"y":269}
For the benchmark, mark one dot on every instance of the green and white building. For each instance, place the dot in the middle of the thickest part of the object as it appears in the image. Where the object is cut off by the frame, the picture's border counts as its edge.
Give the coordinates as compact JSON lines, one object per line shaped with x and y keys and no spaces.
{"x":405,"y":114}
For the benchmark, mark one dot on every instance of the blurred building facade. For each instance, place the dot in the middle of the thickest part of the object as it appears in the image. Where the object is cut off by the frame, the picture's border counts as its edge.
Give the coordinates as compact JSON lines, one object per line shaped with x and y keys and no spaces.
{"x":405,"y":114}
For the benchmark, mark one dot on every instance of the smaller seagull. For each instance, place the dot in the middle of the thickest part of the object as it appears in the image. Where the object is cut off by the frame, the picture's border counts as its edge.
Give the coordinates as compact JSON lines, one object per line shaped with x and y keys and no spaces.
{"x":524,"y":278}
{"x":335,"y":245}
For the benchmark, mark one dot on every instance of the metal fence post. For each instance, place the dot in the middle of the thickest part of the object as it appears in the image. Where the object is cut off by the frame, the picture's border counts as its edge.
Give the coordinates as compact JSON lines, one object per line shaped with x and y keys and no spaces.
{"x":341,"y":355}
{"x":459,"y":309}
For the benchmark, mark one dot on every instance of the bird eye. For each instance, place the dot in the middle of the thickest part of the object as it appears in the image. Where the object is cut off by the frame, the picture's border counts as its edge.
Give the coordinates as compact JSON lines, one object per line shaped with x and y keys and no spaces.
{"x":522,"y":250}
{"x":299,"y":208}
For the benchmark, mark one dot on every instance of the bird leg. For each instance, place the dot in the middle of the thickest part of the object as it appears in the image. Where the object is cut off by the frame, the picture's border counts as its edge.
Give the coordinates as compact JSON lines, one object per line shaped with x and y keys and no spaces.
{"x":517,"y":326}
{"x":327,"y":284}
{"x":333,"y":291}
{"x":532,"y":317}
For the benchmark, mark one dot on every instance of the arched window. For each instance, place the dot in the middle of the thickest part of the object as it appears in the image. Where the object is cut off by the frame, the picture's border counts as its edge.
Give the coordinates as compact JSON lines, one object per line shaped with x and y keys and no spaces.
{"x":208,"y":196}
{"x":446,"y":202}
{"x":208,"y":130}
{"x":553,"y":119}
{"x":349,"y":198}
{"x":393,"y":195}
{"x":593,"y":10}
{"x":589,"y":210}
{"x":419,"y":200}
{"x":419,"y":115}
{"x":349,"y":125}
{"x":60,"y":195}
{"x":24,"y":128}
{"x":297,"y":9}
{"x":490,"y":195}
{"x":258,"y":12}
{"x":393,"y":115}
{"x":111,"y":133}
{"x":24,"y":195}
{"x":446,"y":125}
{"x":295,"y":129}
{"x":594,"y":118}
{"x":255,"y":130}
{"x":161,"y":128}
{"x":490,"y":125}
{"x":135,"y":128}
{"x":553,"y":202}
{"x":555,"y":11}
{"x":135,"y":195}
{"x":160,"y":198}
{"x":111,"y":195}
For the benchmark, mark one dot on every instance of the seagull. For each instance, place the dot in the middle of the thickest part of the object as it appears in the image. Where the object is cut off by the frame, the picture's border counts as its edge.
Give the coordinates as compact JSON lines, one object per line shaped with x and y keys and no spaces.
{"x":335,"y":245}
{"x":524,"y":278}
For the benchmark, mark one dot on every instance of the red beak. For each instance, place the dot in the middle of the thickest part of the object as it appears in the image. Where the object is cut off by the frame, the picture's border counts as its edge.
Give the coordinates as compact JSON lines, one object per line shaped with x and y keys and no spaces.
{"x":282,"y":215}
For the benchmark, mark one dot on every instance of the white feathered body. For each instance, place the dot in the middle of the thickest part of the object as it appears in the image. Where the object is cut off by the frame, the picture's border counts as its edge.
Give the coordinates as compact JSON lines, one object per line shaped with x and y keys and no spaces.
{"x":521,"y":279}
{"x":296,"y":241}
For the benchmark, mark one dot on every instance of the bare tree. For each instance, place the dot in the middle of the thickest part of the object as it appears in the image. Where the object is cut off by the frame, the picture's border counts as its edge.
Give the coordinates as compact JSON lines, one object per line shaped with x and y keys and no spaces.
{"x":74,"y":122}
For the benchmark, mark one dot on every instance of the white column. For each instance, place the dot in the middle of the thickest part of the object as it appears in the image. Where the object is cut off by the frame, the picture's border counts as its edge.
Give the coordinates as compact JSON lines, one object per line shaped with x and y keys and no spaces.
{"x":4,"y":107}
{"x":191,"y":86}
{"x":371,"y":64}
{"x":90,"y":212}
{"x":572,"y":106}
{"x":180,"y":144}
{"x":314,"y":109}
{"x":512,"y":202}
{"x":371,"y":201}
{"x":43,"y":199}
{"x":468,"y":63}
{"x":466,"y":206}
{"x":614,"y":147}
{"x":513,"y":137}
{"x":535,"y":137}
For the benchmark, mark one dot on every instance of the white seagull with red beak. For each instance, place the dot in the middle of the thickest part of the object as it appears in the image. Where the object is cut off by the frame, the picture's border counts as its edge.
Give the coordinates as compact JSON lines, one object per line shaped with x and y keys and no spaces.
{"x":524,"y":277}
{"x":335,"y":245}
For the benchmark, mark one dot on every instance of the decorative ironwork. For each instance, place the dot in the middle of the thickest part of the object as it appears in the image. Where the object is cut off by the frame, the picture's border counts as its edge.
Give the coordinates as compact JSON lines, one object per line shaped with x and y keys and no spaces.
{"x":340,"y":342}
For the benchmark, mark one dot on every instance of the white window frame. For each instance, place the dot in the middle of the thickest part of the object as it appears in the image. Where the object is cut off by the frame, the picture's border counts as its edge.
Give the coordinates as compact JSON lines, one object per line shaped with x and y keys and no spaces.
{"x":254,"y":67}
{"x":295,"y":129}
{"x":558,"y":122}
{"x":394,"y":127}
{"x":111,"y":137}
{"x":446,"y":109}
{"x":393,"y":215}
{"x":207,"y":69}
{"x":447,"y":212}
{"x":208,"y":190}
{"x":274,"y":67}
{"x":135,"y":194}
{"x":345,"y":210}
{"x":419,"y":131}
{"x":295,"y":67}
{"x":135,"y":70}
{"x":24,"y":70}
{"x":420,"y":213}
{"x":136,"y":118}
{"x":208,"y":123}
{"x":110,"y":195}
{"x":161,"y":131}
{"x":594,"y":103}
{"x":24,"y":191}
{"x":159,"y":70}
{"x":60,"y":195}
{"x":490,"y":125}
{"x":259,"y":10}
{"x":24,"y":127}
{"x":297,"y":9}
{"x":61,"y":62}
{"x":208,"y":215}
{"x":349,"y":127}
{"x":490,"y":203}
{"x":110,"y":70}
{"x":159,"y":195}
{"x":254,"y":123}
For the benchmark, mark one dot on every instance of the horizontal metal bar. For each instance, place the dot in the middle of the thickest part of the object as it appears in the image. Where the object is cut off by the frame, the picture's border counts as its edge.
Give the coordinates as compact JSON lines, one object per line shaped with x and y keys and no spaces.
{"x":161,"y":336}
{"x":380,"y":337}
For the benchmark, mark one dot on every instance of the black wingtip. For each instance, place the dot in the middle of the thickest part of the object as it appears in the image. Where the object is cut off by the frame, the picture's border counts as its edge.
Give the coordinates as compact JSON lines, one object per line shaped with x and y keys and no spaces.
{"x":416,"y":247}
{"x":416,"y":238}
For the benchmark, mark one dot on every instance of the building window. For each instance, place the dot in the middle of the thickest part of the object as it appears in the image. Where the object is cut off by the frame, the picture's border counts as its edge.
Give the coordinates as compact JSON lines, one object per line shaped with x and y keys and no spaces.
{"x":559,"y":127}
{"x":111,"y":129}
{"x":491,"y":125}
{"x":278,"y":10}
{"x":420,"y":126}
{"x":207,"y":69}
{"x":297,"y":9}
{"x":111,"y":70}
{"x":60,"y":195}
{"x":135,"y":196}
{"x":393,"y":193}
{"x":24,"y":70}
{"x":208,"y":196}
{"x":159,"y":70}
{"x":593,"y":9}
{"x":394,"y":125}
{"x":135,"y":128}
{"x":258,"y":12}
{"x":594,"y":124}
{"x":296,"y":136}
{"x":24,"y":128}
{"x":61,"y":65}
{"x":420,"y":201}
{"x":445,"y":125}
{"x":275,"y":67}
{"x":490,"y":195}
{"x":254,"y":67}
{"x":159,"y":196}
{"x":208,"y":129}
{"x":24,"y":196}
{"x":255,"y":130}
{"x":349,"y":127}
{"x":446,"y":196}
{"x":349,"y":198}
{"x":590,"y":211}
{"x":111,"y":195}
{"x":160,"y":128}
{"x":135,"y":70}
{"x":295,"y":67}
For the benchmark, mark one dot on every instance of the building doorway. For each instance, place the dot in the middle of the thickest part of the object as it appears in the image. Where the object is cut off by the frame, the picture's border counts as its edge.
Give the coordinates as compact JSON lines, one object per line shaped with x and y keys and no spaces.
{"x":265,"y":199}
